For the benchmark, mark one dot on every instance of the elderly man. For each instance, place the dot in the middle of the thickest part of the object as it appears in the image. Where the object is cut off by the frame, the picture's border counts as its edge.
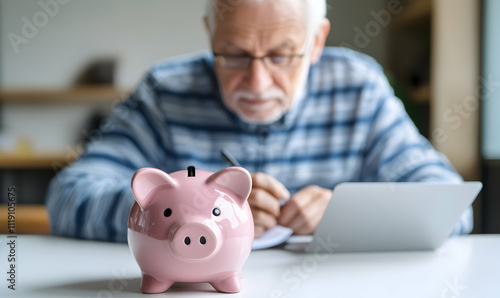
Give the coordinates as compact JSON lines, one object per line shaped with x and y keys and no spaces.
{"x":300,"y":117}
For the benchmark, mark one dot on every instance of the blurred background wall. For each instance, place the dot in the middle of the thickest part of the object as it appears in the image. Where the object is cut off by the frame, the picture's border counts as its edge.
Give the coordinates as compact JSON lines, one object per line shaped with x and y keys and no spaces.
{"x":490,"y":141}
{"x":133,"y":33}
{"x":65,"y":63}
{"x":491,"y":73}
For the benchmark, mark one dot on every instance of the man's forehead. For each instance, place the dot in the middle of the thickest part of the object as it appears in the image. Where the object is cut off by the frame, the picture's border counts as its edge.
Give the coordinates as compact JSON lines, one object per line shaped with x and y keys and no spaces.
{"x":263,"y":18}
{"x":260,"y":14}
{"x":290,"y":30}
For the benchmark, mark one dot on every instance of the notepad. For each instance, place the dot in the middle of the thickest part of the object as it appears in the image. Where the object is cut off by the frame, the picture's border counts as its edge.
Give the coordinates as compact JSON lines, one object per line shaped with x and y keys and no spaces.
{"x":272,"y":237}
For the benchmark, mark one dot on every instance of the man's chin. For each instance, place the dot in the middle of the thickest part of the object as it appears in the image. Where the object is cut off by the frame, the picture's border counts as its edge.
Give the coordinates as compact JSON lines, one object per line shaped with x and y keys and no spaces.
{"x":261,"y":120}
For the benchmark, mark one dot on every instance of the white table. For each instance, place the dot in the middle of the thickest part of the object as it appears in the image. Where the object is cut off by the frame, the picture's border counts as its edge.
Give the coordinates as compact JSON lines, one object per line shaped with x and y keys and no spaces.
{"x":59,"y":267}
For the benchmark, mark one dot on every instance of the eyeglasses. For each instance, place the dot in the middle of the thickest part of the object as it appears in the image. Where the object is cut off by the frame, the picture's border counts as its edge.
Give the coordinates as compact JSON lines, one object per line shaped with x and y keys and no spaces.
{"x":242,"y":62}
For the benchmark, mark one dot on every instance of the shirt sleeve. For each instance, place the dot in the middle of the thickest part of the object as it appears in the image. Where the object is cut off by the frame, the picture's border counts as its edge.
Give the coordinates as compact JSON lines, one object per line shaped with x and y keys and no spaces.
{"x":397,"y":152}
{"x":91,"y":198}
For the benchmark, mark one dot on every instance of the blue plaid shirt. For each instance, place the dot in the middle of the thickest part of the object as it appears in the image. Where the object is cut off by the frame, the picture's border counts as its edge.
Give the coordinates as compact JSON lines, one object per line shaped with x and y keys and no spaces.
{"x":348,"y":126}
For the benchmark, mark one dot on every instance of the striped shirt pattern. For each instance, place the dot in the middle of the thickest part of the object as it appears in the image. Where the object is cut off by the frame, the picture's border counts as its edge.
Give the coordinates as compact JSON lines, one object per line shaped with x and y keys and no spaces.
{"x":347,"y":127}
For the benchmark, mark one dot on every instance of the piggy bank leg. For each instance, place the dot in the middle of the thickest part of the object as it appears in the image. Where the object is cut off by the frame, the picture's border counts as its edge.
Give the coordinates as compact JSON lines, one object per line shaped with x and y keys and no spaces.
{"x":151,"y":285}
{"x":228,"y":284}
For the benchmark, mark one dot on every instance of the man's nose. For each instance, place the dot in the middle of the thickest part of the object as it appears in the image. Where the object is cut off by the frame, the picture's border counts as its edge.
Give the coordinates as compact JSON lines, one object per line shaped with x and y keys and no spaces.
{"x":258,"y":76}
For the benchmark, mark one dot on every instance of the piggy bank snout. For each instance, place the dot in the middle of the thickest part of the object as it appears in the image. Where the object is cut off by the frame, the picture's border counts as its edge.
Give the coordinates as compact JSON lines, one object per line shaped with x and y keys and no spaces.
{"x":195,"y":241}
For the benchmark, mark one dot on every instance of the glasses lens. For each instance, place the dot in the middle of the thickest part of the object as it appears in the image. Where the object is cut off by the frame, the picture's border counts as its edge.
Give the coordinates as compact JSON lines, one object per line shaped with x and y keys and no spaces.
{"x":280,"y":61}
{"x":243,"y":62}
{"x":236,"y":62}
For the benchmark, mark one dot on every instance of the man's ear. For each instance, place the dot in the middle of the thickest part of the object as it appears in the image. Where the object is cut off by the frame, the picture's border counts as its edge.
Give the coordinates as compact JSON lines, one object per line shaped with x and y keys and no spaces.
{"x":207,"y":25}
{"x":235,"y":179}
{"x":145,"y":181}
{"x":319,"y":41}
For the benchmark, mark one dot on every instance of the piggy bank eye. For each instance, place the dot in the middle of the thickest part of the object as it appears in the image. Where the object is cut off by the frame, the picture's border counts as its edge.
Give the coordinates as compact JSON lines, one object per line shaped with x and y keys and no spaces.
{"x":167,"y":212}
{"x":216,"y":211}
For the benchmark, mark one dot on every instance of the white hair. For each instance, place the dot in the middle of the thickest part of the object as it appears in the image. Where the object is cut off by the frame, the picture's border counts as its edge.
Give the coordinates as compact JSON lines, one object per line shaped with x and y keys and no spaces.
{"x":315,"y":12}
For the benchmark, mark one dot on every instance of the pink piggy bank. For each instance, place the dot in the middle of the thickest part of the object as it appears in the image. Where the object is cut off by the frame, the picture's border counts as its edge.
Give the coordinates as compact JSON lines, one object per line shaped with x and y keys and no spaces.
{"x":191,"y":226}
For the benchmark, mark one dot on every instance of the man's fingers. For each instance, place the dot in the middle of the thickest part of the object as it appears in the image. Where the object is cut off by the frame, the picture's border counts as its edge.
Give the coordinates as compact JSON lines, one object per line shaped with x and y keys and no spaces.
{"x":295,"y":206}
{"x":304,"y":212}
{"x":261,"y":199}
{"x":263,"y":219}
{"x":305,"y":222}
{"x":258,"y":231}
{"x":288,"y":213}
{"x":264,"y":201}
{"x":271,"y":185}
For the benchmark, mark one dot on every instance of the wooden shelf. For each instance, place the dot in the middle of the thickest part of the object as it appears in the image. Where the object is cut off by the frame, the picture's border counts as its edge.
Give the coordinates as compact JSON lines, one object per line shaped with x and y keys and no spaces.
{"x":29,"y":219}
{"x":48,"y":161}
{"x":87,"y":93}
{"x":421,"y":95}
{"x":416,"y":13}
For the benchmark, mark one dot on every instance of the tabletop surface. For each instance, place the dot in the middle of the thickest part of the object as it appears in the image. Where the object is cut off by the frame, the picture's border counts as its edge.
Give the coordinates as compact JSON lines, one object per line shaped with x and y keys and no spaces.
{"x":468,"y":266}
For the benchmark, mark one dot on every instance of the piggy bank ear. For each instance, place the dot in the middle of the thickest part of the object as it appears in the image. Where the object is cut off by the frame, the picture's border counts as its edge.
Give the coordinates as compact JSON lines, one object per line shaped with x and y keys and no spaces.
{"x":236,"y":179}
{"x":145,"y":181}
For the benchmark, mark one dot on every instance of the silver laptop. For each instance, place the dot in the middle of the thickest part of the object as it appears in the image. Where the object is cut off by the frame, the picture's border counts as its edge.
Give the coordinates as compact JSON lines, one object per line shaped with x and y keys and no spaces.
{"x":391,"y":216}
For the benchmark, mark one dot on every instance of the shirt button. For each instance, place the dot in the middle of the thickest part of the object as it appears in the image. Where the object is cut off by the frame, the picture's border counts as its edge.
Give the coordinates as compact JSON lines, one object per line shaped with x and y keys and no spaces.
{"x":262,"y":135}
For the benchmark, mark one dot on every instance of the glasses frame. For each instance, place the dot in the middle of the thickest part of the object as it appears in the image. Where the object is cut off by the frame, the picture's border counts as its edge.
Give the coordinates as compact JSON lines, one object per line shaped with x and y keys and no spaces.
{"x":251,"y":59}
{"x":266,"y":59}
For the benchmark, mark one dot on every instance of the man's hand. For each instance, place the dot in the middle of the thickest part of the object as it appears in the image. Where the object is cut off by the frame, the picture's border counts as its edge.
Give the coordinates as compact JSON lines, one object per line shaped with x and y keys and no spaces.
{"x":264,"y":201}
{"x":304,"y":211}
